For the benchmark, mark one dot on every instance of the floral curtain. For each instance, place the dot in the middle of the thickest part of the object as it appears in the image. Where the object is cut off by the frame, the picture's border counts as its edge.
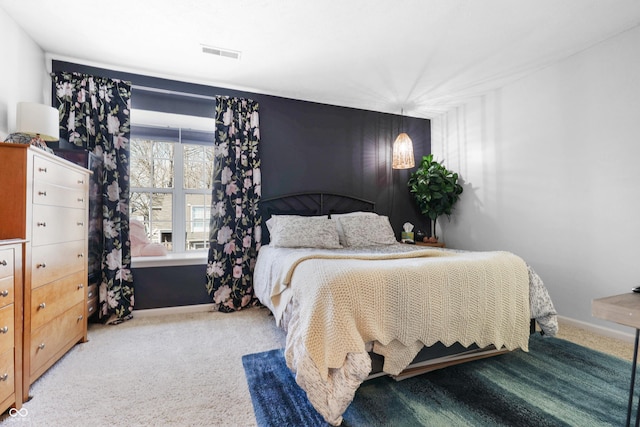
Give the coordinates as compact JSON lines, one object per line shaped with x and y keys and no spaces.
{"x":235,"y":230}
{"x":94,"y":114}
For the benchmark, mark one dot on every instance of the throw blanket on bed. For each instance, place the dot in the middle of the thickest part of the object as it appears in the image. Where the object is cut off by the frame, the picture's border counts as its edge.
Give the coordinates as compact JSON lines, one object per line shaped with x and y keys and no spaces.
{"x":403,"y":303}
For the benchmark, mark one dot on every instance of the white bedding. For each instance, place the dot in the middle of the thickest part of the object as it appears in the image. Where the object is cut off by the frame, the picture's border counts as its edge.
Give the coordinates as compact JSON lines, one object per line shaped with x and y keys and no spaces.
{"x":330,"y":324}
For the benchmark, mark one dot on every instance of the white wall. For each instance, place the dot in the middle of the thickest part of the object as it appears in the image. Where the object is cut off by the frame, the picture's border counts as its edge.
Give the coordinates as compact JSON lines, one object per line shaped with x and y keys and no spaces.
{"x":23,"y":75}
{"x":551,"y":172}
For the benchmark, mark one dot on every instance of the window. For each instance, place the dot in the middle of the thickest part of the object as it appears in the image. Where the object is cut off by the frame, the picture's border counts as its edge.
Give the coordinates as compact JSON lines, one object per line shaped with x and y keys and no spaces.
{"x":199,"y":214}
{"x":171,"y":178}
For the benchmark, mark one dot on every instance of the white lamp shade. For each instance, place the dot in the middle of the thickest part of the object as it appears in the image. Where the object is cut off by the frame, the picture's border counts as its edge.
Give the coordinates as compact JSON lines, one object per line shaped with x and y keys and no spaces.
{"x":38,"y":120}
{"x":403,"y":152}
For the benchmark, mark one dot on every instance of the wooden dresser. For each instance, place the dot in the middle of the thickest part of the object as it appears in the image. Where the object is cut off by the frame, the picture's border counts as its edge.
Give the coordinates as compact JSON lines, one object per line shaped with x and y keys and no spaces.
{"x":45,"y":201}
{"x":10,"y":324}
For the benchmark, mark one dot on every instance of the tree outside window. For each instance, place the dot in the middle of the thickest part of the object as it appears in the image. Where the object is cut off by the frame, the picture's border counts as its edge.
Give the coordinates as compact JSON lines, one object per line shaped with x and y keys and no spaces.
{"x":171,"y":182}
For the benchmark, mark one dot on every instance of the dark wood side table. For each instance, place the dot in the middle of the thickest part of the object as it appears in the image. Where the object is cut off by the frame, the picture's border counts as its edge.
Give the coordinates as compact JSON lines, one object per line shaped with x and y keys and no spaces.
{"x":433,"y":245}
{"x":623,"y":309}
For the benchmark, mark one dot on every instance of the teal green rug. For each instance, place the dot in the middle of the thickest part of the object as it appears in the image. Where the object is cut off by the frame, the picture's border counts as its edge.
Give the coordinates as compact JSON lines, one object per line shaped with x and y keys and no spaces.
{"x":557,"y":383}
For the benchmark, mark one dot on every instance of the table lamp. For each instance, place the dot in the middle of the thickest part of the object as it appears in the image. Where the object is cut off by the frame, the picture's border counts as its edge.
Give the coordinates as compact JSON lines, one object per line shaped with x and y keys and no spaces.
{"x":36,"y":124}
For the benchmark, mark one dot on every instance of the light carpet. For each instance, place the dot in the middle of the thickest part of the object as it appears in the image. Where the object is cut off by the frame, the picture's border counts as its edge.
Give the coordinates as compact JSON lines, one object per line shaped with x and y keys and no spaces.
{"x":175,"y":370}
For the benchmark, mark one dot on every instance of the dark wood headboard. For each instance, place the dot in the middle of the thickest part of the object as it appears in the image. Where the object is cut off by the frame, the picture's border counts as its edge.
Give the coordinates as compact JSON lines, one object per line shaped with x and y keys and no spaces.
{"x":309,"y":204}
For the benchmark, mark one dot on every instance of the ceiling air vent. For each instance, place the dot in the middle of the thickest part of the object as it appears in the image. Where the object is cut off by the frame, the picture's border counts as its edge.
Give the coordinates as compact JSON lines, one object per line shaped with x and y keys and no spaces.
{"x":226,"y":53}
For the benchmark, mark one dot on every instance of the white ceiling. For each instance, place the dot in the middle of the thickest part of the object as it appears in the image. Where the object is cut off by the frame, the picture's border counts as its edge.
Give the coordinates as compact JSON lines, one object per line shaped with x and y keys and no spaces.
{"x":384,"y":55}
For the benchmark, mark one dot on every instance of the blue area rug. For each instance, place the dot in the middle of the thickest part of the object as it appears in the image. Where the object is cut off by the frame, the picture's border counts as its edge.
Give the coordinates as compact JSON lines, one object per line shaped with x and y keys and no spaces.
{"x":557,"y":383}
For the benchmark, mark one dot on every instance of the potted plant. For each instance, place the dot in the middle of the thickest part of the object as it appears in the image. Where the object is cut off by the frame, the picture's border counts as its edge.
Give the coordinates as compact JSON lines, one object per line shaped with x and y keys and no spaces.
{"x":435,"y":189}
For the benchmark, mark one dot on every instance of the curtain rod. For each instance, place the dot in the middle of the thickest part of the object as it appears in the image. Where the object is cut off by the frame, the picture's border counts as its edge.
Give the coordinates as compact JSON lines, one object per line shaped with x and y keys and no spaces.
{"x":173,"y":92}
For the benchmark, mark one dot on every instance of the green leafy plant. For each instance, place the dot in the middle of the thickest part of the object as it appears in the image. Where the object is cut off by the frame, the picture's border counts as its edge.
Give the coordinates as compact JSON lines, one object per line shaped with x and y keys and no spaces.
{"x":435,"y":189}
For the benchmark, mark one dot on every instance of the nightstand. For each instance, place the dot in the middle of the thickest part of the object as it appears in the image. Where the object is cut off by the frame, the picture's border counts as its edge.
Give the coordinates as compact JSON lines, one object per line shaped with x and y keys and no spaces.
{"x":433,"y":245}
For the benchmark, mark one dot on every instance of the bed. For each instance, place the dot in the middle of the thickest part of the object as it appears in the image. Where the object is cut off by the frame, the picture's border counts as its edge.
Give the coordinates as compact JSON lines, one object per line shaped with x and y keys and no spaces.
{"x":357,"y":304}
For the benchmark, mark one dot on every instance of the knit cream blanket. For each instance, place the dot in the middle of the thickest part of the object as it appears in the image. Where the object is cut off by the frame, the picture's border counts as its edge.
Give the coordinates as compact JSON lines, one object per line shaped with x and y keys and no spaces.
{"x":404,"y":301}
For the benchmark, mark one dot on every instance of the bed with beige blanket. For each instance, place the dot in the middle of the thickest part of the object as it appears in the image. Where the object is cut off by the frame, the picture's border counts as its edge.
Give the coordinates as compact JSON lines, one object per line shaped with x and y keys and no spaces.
{"x":343,"y":295}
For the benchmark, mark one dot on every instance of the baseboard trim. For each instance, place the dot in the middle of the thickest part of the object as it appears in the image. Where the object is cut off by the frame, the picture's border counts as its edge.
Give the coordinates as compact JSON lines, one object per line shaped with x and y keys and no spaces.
{"x":183,"y":309}
{"x":596,"y":329}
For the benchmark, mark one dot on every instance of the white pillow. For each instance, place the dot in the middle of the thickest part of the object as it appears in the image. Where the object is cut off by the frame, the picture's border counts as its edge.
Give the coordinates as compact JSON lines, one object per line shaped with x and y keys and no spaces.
{"x":304,"y":232}
{"x":336,"y":218}
{"x":365,"y":230}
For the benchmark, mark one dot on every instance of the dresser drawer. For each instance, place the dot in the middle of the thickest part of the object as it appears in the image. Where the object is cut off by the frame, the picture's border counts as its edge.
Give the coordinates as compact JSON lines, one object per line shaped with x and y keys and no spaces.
{"x":92,"y":291}
{"x":64,"y":330}
{"x":92,"y":307}
{"x":53,"y":224}
{"x":7,"y":377}
{"x":6,"y":328}
{"x":92,"y":300}
{"x":6,"y":291}
{"x":51,"y":262}
{"x":6,"y":263}
{"x":49,"y":301}
{"x":45,"y":193}
{"x":46,"y":170}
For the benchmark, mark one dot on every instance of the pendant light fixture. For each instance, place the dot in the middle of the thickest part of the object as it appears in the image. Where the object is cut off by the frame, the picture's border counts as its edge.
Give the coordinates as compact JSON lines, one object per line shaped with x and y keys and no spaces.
{"x":403,"y":149}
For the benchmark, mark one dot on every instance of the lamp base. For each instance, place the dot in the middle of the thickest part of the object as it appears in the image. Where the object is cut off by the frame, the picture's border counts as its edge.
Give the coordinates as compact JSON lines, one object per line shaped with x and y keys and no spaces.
{"x":23,"y":138}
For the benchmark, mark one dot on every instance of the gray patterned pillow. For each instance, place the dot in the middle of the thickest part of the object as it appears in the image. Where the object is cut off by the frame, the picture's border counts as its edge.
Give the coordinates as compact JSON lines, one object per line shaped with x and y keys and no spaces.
{"x":274,"y":218}
{"x":336,"y":218}
{"x":304,"y":232}
{"x":365,"y":230}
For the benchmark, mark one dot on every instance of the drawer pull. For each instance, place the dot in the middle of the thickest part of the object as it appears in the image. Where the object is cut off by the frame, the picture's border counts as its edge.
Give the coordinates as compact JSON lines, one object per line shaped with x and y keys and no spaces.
{"x":80,"y":223}
{"x":41,"y":265}
{"x":4,"y":330}
{"x":4,"y":293}
{"x":80,"y":199}
{"x":42,"y":306}
{"x":42,"y":170}
{"x":80,"y":255}
{"x":42,"y":193}
{"x":41,"y":224}
{"x":89,"y":294}
{"x":80,"y":286}
{"x":81,"y":181}
{"x":90,"y":309}
{"x":4,"y":377}
{"x":3,"y":262}
{"x":41,"y":346}
{"x":80,"y":317}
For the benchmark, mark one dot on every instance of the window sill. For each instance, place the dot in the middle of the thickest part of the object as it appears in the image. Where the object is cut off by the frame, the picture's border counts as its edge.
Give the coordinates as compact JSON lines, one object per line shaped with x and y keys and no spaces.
{"x":170,"y":260}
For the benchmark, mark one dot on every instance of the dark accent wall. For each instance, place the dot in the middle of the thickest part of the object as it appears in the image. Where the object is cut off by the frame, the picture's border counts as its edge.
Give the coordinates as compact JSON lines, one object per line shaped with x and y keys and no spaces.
{"x":305,"y":146}
{"x":159,"y":287}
